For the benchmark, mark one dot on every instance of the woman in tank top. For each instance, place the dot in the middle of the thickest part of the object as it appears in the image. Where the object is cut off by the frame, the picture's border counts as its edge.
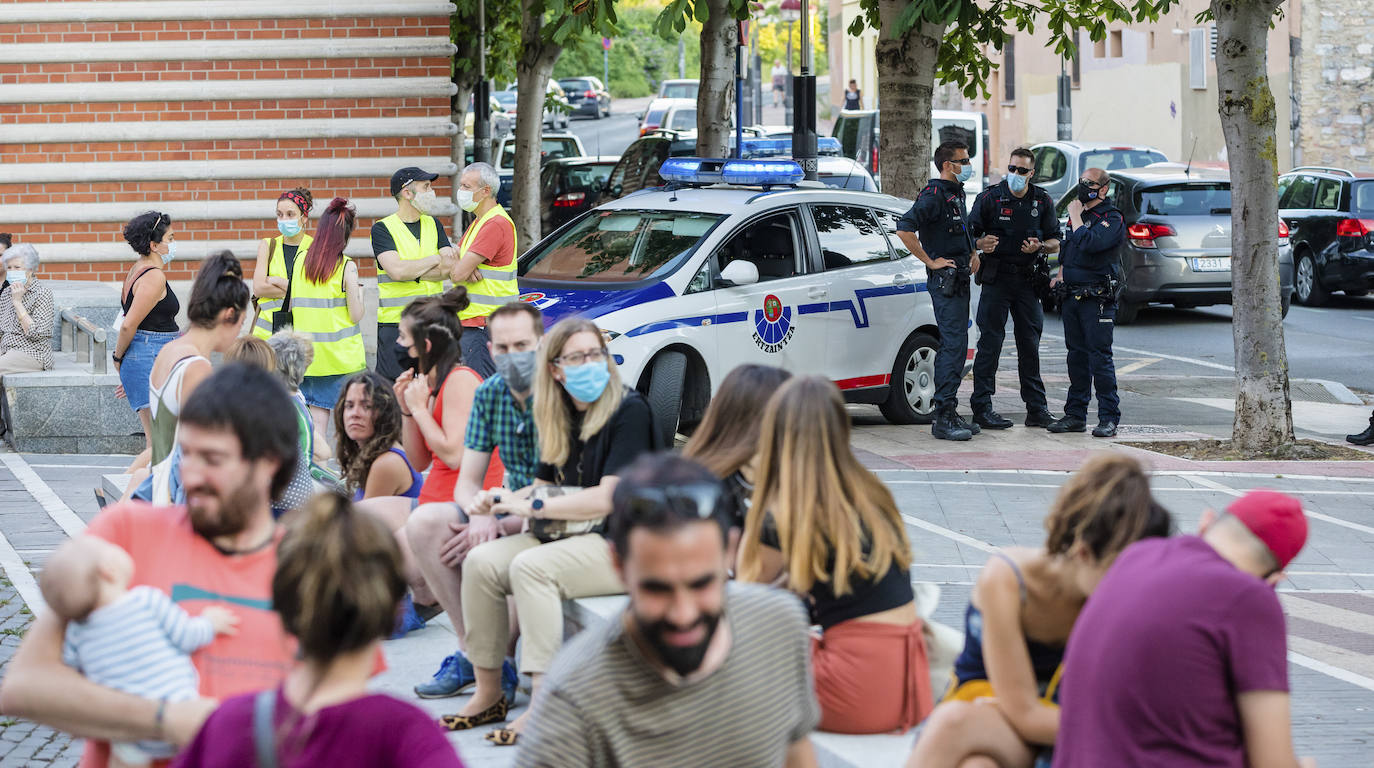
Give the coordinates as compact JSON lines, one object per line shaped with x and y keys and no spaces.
{"x":219,"y":299}
{"x":367,"y":421}
{"x":149,"y":313}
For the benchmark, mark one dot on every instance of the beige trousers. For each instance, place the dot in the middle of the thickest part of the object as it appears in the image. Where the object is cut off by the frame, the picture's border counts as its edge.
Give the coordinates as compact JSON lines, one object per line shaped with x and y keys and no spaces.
{"x":540,"y":577}
{"x":15,"y":361}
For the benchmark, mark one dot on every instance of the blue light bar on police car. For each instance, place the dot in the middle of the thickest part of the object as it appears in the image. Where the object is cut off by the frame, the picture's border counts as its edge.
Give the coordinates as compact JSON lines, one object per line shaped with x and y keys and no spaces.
{"x":697,"y":170}
{"x":781,"y":146}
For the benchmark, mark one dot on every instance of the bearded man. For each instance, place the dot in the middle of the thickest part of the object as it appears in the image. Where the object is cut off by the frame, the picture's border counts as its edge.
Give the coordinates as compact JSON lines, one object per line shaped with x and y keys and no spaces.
{"x":237,"y":433}
{"x":697,"y":670}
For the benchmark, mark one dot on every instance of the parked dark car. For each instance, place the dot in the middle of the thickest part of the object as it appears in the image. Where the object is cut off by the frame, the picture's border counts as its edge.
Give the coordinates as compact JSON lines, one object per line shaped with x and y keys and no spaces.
{"x":638,"y":166}
{"x":587,"y":96}
{"x":1178,"y":239}
{"x":569,"y":186}
{"x":1330,"y":218}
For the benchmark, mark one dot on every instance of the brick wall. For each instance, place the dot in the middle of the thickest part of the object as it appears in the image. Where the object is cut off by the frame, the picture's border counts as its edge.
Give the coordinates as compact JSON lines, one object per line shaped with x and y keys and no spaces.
{"x":86,"y":105}
{"x":1337,"y":84}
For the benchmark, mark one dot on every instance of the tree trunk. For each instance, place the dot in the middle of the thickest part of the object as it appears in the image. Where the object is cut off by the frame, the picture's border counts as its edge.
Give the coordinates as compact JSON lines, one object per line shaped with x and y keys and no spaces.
{"x":715,"y":99}
{"x":532,"y":70}
{"x":906,"y":80}
{"x":1264,"y":418}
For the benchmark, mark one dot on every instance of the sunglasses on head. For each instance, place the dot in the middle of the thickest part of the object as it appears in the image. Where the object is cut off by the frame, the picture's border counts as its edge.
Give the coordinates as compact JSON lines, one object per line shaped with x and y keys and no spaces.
{"x":701,"y":498}
{"x":1018,"y":170}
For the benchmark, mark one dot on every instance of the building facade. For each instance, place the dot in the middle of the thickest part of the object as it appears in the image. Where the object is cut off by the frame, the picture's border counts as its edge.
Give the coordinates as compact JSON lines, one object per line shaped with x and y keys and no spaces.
{"x":207,"y":110}
{"x":1335,"y":85}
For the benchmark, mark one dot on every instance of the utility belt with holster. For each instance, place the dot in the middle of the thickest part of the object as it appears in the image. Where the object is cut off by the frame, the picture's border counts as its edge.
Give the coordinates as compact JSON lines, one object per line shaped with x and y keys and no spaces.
{"x":1106,"y":291}
{"x":951,"y":281}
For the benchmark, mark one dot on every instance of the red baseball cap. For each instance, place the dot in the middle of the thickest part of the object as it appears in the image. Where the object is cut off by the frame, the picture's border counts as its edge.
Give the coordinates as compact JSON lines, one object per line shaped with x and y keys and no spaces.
{"x":1277,"y":520}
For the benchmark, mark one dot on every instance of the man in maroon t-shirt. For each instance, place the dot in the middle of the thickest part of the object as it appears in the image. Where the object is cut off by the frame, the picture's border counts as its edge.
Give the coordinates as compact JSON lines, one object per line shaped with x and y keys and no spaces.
{"x":1179,"y":658}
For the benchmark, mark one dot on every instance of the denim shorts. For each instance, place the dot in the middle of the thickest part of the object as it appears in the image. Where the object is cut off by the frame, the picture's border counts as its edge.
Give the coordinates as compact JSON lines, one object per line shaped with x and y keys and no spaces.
{"x":137,"y":367}
{"x":323,"y":391}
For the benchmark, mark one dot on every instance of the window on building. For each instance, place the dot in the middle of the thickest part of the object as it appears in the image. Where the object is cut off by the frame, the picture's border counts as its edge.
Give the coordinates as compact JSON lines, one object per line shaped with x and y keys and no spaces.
{"x":1100,"y":49}
{"x":1009,"y":70}
{"x":1197,"y":58}
{"x":1114,"y":37}
{"x":1213,"y":32}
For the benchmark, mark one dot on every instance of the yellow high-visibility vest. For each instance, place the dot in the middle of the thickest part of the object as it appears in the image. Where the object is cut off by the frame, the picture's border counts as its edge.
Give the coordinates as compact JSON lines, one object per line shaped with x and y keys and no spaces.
{"x":394,"y":295}
{"x":276,"y":267}
{"x":494,"y":285}
{"x":320,"y":313}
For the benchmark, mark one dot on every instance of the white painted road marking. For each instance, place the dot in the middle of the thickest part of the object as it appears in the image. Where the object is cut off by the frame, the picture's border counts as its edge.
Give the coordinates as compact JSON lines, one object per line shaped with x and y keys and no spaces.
{"x":20,"y":576}
{"x":947,"y":533}
{"x":61,"y":514}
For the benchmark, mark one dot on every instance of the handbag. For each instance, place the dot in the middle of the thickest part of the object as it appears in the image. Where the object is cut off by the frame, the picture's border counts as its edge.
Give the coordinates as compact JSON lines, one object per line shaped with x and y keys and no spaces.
{"x":547,"y":530}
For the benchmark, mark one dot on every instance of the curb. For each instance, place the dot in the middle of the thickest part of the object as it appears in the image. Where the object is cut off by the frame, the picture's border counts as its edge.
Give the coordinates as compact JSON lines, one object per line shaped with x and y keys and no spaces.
{"x":1338,"y":390}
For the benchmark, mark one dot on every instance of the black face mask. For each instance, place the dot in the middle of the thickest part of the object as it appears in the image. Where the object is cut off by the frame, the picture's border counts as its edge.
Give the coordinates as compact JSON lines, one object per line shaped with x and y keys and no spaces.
{"x":1087,"y":194}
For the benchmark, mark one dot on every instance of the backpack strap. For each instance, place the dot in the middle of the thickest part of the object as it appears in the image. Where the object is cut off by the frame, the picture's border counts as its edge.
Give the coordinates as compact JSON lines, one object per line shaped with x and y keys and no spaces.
{"x":264,"y":732}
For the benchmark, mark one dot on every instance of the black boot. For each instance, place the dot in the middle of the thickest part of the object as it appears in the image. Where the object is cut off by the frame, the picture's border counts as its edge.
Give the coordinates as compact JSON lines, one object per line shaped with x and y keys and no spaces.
{"x":991,"y":419}
{"x":948,"y":427}
{"x":971,"y":426}
{"x":1041,"y":418}
{"x":1364,"y":438}
{"x":1068,"y":424}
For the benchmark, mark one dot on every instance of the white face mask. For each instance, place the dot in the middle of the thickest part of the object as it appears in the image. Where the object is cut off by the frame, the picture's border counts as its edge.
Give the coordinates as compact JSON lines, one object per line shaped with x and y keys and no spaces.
{"x":16,"y":275}
{"x":465,"y":200}
{"x":170,"y":254}
{"x":426,"y":202}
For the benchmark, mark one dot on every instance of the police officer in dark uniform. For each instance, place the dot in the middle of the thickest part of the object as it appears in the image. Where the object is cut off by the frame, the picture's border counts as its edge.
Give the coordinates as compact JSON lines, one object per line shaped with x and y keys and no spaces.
{"x":940,"y":217}
{"x":1091,"y":275}
{"x":1014,"y":226}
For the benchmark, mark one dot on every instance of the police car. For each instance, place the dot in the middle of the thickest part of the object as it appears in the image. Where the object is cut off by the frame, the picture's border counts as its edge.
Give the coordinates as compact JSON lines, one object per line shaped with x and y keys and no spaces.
{"x":739,"y":261}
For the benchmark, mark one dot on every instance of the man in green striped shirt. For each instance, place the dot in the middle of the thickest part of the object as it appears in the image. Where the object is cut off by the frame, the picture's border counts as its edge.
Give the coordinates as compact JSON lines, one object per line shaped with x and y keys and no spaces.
{"x":697,"y":670}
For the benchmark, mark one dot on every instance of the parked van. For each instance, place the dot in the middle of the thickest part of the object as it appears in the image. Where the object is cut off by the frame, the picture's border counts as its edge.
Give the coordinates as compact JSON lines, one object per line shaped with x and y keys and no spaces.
{"x":858,"y":132}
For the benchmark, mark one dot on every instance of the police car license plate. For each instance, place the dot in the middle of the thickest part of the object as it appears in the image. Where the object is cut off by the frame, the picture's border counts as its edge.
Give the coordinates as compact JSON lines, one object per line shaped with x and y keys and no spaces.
{"x":1211,"y":265}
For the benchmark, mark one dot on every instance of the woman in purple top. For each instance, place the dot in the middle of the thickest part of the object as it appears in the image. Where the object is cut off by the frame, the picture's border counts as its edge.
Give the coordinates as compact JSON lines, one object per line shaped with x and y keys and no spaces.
{"x":336,"y":588}
{"x":367,"y":423}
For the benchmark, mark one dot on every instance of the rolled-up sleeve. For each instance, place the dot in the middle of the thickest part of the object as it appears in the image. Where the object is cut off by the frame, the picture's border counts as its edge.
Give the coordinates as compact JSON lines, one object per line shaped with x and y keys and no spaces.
{"x":922,"y":211}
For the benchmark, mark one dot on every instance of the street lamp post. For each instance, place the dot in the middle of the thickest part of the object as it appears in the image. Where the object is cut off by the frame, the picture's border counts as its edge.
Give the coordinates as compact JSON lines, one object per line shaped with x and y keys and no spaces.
{"x":481,"y":96}
{"x":804,"y":106}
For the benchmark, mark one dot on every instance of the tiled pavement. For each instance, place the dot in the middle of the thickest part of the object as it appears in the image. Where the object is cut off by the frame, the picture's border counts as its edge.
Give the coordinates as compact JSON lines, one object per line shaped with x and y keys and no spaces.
{"x":954,"y":517}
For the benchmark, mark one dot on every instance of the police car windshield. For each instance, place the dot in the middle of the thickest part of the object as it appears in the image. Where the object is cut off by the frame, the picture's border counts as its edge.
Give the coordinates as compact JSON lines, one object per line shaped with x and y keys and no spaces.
{"x":620,"y":246}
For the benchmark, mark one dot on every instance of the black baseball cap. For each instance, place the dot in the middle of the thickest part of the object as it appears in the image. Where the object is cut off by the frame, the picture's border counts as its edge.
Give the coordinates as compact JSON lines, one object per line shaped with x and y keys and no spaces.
{"x":406,"y":175}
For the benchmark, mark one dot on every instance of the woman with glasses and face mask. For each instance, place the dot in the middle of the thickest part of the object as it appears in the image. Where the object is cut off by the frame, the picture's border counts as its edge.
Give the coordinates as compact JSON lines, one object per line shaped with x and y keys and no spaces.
{"x":591,"y":426}
{"x":827,"y":529}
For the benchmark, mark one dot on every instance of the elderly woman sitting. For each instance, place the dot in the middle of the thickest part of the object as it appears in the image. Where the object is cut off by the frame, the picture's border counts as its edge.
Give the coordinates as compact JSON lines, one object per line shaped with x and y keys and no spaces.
{"x":26,"y":314}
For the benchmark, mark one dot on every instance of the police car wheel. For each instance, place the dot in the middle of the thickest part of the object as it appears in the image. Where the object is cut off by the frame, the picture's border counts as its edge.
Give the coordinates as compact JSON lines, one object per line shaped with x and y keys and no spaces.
{"x":911,"y":391}
{"x":666,"y":384}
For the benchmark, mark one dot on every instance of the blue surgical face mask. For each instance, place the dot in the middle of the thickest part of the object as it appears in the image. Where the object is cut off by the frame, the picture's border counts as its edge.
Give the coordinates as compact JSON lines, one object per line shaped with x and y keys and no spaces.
{"x":289,"y":227}
{"x":171,"y":253}
{"x":587,"y":381}
{"x":16,"y":275}
{"x":1016,"y":182}
{"x":965,"y":173}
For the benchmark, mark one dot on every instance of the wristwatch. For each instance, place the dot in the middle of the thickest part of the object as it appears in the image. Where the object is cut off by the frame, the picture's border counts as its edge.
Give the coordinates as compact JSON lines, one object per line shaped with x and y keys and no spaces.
{"x":536,"y":506}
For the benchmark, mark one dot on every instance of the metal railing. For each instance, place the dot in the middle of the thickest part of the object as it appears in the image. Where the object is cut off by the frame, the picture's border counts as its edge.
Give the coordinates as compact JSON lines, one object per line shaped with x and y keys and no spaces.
{"x":86,"y":338}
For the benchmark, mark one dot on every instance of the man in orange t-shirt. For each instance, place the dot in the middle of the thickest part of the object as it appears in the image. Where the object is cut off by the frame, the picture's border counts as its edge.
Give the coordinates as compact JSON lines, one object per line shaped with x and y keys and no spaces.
{"x":237,"y":433}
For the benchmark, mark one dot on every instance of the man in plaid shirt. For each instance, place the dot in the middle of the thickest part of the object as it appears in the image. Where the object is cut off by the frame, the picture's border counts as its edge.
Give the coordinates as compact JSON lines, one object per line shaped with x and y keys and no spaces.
{"x":441,"y":535}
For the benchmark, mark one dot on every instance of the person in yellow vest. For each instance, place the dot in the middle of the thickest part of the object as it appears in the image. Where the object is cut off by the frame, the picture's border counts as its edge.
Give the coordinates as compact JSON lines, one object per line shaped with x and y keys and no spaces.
{"x":326,"y":304}
{"x":486,"y":262}
{"x":413,"y":257}
{"x":277,"y":257}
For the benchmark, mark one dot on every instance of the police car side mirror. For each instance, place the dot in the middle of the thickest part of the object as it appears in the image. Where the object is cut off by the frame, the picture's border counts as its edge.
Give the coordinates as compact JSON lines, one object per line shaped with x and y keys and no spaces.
{"x":739,"y":272}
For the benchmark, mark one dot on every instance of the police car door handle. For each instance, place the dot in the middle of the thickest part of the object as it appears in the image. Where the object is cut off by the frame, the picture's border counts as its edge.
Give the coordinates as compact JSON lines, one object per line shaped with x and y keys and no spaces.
{"x":816,"y":292}
{"x":900,"y":279}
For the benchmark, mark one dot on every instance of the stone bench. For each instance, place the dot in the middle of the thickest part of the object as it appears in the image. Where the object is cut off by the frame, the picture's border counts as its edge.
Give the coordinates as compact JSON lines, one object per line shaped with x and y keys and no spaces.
{"x":833,"y":750}
{"x":68,"y":409}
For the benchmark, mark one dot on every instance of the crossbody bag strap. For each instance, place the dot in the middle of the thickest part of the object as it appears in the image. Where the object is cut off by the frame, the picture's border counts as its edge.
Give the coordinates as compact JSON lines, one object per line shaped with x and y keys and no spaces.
{"x":264,"y":732}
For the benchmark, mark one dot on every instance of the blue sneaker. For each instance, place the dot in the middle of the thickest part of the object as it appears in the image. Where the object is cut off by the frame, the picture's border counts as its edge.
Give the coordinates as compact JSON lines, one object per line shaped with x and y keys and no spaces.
{"x":407,"y":620}
{"x":510,"y":681}
{"x":455,"y":675}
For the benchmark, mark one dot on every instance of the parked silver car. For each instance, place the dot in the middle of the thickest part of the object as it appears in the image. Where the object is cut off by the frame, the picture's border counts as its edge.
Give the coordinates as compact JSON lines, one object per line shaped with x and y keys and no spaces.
{"x":1178,"y":239}
{"x":1059,"y":164}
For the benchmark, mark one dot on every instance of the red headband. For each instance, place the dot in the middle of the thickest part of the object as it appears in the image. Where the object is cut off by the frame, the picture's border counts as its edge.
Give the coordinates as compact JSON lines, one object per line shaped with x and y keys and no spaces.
{"x":298,"y":199}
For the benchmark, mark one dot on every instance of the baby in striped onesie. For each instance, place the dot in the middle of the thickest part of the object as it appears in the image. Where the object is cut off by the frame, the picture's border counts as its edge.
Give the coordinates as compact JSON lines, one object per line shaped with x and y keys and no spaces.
{"x":133,"y":640}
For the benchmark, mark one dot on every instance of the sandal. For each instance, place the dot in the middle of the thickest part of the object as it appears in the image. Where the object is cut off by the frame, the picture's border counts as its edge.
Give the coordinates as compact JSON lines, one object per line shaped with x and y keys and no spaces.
{"x":503,"y":737}
{"x":496,"y":713}
{"x":427,"y":612}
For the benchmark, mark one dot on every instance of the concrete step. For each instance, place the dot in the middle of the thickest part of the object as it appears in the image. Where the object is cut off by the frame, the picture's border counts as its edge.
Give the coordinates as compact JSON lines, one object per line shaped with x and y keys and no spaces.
{"x":69,"y":409}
